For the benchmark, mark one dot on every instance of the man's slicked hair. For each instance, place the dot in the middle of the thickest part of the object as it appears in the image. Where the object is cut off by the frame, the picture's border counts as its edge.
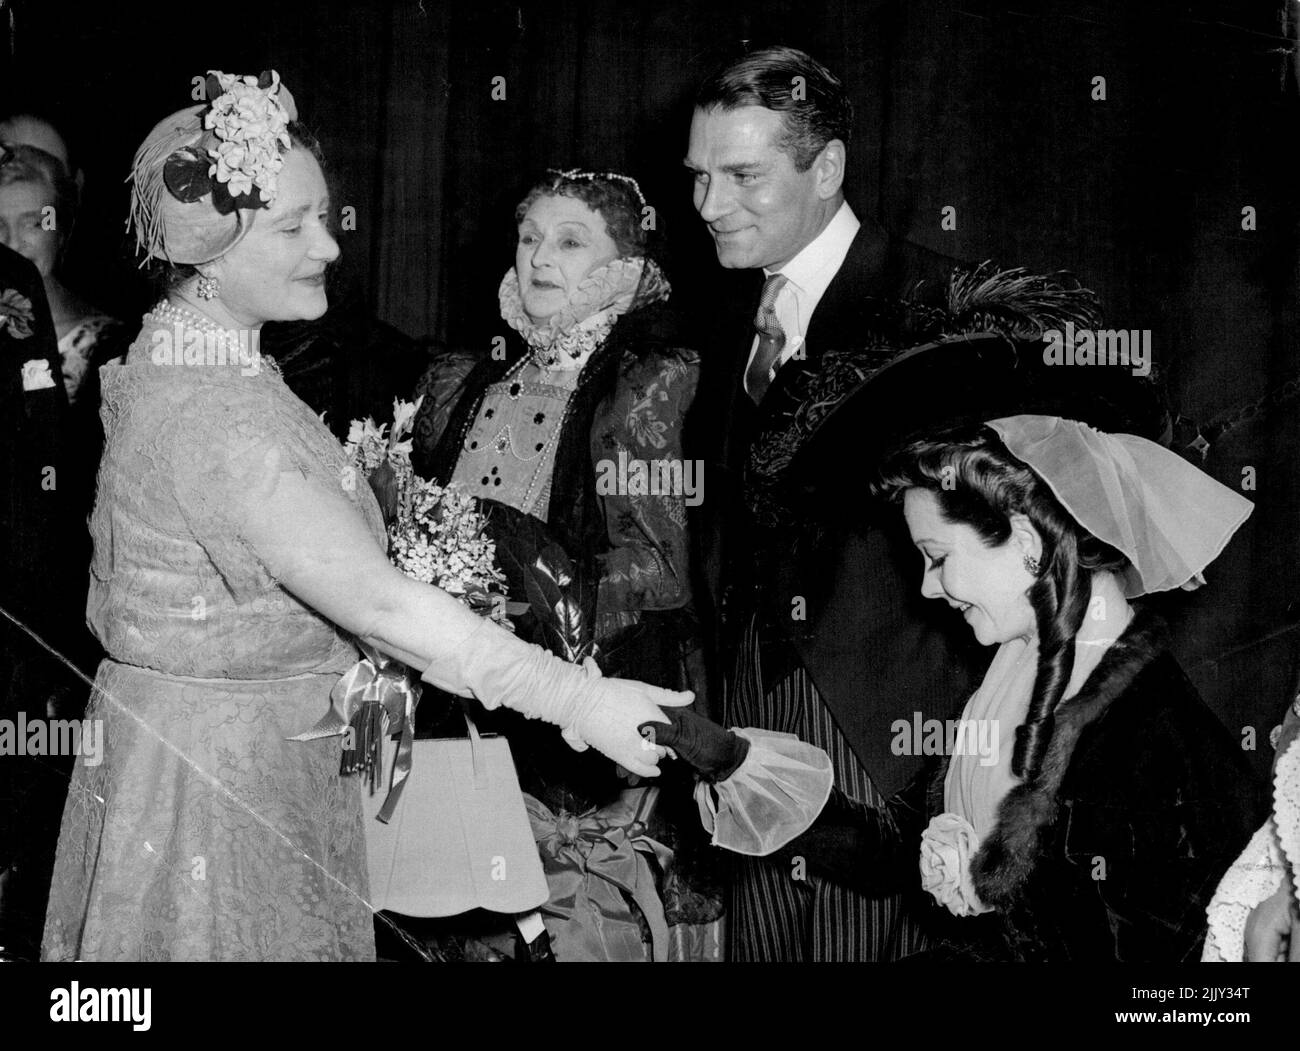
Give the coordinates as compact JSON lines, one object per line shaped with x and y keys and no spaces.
{"x":811,"y":99}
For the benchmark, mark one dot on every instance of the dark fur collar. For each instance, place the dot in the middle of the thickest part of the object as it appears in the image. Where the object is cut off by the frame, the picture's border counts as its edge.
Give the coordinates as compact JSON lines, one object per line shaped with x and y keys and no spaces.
{"x":1008,"y":856}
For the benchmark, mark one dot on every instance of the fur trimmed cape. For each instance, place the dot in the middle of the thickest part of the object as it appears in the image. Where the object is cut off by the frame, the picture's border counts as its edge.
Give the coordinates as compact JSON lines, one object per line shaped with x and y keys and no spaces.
{"x":1007,"y":857}
{"x":1142,"y":802}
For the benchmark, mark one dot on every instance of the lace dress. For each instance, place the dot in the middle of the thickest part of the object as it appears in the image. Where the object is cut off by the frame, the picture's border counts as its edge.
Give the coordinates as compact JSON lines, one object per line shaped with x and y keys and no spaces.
{"x":1261,"y":869}
{"x":204,"y":834}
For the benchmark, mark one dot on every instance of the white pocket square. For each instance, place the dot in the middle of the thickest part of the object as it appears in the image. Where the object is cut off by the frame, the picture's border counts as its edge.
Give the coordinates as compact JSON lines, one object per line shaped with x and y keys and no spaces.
{"x":36,"y":374}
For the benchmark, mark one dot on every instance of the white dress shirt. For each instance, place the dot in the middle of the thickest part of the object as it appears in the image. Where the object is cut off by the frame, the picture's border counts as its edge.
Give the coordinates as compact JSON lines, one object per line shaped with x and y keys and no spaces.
{"x":808,"y":275}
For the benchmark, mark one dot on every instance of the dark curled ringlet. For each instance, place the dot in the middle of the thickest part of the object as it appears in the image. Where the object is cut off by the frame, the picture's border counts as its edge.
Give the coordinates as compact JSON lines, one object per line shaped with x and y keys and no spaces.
{"x":979,"y":483}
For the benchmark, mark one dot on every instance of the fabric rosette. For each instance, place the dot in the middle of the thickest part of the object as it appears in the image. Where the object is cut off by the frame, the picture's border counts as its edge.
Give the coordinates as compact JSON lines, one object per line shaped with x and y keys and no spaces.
{"x":947,"y":846}
{"x":597,"y":864}
{"x":16,"y":314}
{"x":373,"y":699}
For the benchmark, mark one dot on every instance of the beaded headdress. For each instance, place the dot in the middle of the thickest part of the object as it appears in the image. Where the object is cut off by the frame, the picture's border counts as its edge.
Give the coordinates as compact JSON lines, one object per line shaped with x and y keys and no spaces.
{"x":202,"y":174}
{"x":578,"y":175}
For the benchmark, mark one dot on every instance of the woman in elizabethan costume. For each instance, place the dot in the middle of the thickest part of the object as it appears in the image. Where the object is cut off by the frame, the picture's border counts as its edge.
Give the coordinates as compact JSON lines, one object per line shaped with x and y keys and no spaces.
{"x":564,"y":436}
{"x":568,"y":425}
{"x":236,"y":566}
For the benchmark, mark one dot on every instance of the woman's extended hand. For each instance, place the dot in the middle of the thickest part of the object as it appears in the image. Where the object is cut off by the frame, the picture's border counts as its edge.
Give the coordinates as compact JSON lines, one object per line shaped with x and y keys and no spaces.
{"x":612,"y":724}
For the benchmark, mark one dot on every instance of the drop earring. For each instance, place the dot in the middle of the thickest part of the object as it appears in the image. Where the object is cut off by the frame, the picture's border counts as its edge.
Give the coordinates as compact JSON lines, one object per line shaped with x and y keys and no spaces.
{"x":208,"y":287}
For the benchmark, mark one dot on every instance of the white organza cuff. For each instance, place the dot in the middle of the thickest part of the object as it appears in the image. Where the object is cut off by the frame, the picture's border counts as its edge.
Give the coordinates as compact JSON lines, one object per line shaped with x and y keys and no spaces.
{"x":774,"y":795}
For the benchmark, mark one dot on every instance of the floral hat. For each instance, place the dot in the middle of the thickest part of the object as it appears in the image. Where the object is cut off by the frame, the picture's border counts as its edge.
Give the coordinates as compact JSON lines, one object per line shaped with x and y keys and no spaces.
{"x":200,"y":177}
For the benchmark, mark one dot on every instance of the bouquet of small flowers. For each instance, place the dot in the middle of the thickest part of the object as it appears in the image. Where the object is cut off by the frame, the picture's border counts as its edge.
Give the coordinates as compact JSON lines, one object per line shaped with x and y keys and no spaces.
{"x":436,"y":534}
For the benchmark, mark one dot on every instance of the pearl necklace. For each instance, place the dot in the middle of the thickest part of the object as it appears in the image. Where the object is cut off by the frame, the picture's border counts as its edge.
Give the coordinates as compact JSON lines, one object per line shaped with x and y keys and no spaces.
{"x":167,"y":311}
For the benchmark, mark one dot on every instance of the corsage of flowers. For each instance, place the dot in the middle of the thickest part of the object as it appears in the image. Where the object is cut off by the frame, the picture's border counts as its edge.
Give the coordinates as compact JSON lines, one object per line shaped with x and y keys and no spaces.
{"x":947,"y":846}
{"x":16,"y":313}
{"x":239,"y":159}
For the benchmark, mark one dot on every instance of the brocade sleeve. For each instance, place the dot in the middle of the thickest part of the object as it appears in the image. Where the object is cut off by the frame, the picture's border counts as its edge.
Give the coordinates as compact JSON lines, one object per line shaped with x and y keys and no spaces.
{"x":441,"y":387}
{"x":645,"y":484}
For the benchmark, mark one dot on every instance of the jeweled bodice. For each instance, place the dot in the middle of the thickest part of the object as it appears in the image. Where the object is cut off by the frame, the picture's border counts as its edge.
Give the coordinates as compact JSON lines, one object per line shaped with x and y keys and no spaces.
{"x":508,"y":453}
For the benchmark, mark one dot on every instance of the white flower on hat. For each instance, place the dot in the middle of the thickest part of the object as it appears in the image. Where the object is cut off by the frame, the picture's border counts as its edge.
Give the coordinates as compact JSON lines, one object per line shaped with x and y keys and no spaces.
{"x":252,"y":125}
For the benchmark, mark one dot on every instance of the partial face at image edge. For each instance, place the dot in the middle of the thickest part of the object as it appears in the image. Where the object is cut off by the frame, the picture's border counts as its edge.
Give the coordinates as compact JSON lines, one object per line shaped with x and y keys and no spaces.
{"x":23,"y":208}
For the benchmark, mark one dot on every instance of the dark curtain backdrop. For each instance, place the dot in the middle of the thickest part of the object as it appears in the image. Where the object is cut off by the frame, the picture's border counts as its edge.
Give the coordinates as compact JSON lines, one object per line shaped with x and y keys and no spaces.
{"x":986,"y":107}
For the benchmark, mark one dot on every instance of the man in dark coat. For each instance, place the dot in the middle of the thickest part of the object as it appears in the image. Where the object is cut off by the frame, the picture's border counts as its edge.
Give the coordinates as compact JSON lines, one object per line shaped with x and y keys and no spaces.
{"x":830,"y":641}
{"x":35,"y":584}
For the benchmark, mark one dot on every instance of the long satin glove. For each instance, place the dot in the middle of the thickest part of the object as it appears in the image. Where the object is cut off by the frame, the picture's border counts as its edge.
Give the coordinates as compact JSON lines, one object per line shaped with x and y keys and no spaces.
{"x":502,"y":670}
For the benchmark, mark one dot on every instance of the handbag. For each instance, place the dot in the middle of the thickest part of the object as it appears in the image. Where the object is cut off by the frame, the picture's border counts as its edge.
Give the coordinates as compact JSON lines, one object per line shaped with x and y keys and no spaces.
{"x":459,"y":836}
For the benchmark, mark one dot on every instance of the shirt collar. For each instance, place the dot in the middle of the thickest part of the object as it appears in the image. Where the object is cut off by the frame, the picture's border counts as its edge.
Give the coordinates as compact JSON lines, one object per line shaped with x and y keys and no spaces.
{"x":818,"y":261}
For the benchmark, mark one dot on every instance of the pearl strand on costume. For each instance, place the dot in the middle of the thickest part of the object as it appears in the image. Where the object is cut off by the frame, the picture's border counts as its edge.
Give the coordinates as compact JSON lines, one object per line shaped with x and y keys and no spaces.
{"x":509,"y":379}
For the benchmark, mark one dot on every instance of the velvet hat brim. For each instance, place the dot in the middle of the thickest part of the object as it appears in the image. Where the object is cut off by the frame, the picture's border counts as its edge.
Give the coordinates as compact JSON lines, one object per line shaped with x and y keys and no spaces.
{"x":962,"y":380}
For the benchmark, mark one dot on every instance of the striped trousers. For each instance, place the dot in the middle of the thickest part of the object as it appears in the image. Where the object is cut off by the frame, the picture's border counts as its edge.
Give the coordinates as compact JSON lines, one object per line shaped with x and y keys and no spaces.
{"x":777,"y":913}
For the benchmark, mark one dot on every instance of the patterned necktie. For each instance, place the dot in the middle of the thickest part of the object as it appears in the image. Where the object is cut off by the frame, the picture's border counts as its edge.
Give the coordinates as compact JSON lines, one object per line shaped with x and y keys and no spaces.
{"x":771,"y":339}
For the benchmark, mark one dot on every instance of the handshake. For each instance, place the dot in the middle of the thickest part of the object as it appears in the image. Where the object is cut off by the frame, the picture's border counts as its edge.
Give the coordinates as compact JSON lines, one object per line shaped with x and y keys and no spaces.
{"x":714,"y":752}
{"x":631,"y":722}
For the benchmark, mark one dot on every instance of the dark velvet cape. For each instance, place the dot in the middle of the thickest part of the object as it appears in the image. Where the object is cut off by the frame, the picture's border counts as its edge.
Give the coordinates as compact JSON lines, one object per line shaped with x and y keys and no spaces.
{"x":1143,"y":801}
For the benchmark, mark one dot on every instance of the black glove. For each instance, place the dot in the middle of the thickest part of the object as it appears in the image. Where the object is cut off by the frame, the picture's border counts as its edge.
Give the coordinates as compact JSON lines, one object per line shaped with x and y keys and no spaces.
{"x":716,"y":753}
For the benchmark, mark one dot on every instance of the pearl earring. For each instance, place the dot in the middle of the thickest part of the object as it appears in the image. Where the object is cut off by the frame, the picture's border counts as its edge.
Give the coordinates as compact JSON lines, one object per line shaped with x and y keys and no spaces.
{"x":208,"y":287}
